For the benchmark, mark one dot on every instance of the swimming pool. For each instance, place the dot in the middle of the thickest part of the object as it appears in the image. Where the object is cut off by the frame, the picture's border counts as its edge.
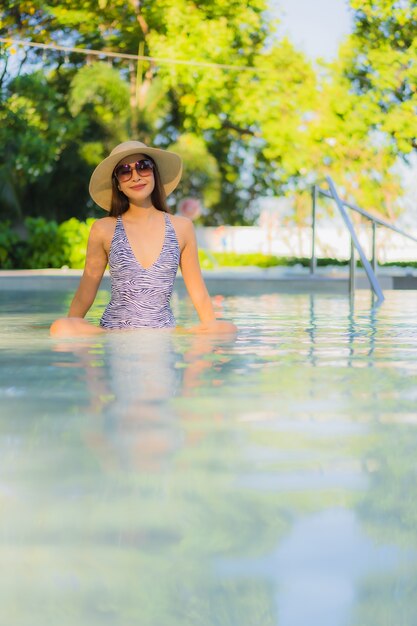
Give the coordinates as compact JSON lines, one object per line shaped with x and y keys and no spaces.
{"x":159,"y":479}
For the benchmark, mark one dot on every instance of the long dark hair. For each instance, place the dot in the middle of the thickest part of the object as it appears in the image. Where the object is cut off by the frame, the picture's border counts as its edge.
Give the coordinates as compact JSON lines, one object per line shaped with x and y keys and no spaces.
{"x":120,"y":202}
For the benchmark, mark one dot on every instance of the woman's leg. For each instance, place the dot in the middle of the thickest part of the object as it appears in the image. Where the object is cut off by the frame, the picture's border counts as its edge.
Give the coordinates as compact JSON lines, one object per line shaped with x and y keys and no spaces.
{"x":73,"y":327}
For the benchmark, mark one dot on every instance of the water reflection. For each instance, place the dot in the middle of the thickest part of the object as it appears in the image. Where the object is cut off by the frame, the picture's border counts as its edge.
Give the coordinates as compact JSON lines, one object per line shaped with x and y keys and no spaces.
{"x":131,"y":380}
{"x":157,"y":478}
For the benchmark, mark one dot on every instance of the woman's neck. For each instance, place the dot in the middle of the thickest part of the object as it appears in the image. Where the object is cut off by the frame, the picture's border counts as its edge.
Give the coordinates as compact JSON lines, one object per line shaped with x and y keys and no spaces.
{"x":140,"y":212}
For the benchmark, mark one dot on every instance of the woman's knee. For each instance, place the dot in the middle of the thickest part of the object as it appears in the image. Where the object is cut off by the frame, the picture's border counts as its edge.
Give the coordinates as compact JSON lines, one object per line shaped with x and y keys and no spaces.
{"x":62,"y":327}
{"x":72,"y":327}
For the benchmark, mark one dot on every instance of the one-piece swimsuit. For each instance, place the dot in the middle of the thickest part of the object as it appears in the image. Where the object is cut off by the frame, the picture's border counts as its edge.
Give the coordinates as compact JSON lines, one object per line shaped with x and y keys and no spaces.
{"x":140,"y":297}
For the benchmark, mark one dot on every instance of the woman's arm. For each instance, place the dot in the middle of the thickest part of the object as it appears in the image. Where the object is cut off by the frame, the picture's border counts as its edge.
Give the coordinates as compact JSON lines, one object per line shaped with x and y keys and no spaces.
{"x":194,"y":282}
{"x":95,"y":264}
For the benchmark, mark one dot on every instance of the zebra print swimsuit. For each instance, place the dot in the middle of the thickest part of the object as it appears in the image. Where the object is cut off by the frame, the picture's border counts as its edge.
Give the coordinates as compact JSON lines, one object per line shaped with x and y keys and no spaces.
{"x":140,"y":296}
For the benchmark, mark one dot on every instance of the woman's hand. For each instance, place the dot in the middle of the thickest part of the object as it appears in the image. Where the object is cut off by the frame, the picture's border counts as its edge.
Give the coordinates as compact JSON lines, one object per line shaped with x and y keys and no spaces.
{"x":216,"y":327}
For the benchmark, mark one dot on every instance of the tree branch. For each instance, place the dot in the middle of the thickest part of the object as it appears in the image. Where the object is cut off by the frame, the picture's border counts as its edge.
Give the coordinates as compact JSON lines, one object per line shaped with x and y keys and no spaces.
{"x":241,"y":131}
{"x":6,"y":61}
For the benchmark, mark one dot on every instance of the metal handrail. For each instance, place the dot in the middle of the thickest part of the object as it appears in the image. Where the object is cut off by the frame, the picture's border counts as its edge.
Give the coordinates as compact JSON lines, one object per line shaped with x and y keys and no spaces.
{"x":370,"y":269}
{"x":371,"y":217}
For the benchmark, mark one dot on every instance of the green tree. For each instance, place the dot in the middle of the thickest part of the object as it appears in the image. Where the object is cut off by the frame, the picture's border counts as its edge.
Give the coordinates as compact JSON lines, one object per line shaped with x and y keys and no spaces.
{"x":33,"y":131}
{"x":343,"y":143}
{"x":381,"y":63}
{"x":161,"y":95}
{"x":201,"y":177}
{"x":273,"y":126}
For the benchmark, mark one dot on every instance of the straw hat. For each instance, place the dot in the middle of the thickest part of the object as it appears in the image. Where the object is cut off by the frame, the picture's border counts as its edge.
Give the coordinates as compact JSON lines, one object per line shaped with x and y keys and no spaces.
{"x":169,"y":166}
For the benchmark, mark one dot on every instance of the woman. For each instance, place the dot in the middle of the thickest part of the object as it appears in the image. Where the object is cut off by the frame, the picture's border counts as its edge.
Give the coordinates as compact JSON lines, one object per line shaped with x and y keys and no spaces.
{"x":142,"y":244}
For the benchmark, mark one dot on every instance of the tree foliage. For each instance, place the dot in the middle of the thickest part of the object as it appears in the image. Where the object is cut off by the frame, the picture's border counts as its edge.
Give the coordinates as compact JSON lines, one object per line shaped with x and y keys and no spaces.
{"x":271,"y":124}
{"x":380,"y":60}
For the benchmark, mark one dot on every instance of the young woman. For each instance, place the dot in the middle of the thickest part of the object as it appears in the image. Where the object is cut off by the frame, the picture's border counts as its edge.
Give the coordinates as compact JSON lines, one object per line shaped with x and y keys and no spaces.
{"x":143,"y":246}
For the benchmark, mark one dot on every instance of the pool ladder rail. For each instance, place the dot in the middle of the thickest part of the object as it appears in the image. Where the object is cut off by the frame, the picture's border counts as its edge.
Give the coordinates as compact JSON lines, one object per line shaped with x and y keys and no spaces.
{"x":355,"y":246}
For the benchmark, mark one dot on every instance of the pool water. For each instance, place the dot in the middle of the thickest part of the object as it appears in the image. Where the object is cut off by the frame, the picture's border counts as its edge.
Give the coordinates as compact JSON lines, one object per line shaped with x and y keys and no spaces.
{"x":157,"y":479}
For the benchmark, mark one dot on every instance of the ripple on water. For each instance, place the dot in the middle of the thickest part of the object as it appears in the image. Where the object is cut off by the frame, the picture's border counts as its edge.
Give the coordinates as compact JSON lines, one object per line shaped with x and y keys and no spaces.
{"x":159,"y":478}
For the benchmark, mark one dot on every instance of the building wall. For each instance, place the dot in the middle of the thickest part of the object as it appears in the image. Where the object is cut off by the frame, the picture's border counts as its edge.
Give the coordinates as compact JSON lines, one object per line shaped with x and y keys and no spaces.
{"x":292,"y":241}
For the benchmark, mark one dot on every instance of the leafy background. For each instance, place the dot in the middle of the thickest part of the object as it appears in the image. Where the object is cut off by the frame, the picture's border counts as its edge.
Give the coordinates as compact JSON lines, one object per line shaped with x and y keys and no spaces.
{"x":272,"y":127}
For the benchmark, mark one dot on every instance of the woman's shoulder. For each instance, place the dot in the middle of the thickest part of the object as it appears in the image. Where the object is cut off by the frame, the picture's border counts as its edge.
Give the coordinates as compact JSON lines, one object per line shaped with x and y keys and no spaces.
{"x":103,"y":228}
{"x":184,"y":229}
{"x":104,"y":224}
{"x":107,"y":220}
{"x":181,"y":222}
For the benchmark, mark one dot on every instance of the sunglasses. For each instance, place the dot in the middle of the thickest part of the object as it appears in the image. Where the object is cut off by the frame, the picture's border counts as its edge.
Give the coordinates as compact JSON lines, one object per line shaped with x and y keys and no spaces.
{"x":124,"y":172}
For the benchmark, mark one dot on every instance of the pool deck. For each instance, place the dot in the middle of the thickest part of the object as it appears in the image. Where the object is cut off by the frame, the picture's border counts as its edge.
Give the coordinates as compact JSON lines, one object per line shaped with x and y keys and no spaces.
{"x":250,"y":280}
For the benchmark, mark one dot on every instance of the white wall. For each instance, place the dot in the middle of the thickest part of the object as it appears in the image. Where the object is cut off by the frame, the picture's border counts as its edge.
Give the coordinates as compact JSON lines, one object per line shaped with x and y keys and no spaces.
{"x":292,"y":241}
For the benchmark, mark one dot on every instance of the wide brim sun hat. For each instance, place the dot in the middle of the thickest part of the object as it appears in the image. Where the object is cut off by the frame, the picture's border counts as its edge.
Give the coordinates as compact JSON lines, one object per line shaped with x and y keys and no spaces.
{"x":169,"y":166}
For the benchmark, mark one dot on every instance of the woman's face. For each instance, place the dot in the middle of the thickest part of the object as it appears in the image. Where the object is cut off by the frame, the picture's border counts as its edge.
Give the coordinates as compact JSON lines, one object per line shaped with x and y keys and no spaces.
{"x":141,"y":184}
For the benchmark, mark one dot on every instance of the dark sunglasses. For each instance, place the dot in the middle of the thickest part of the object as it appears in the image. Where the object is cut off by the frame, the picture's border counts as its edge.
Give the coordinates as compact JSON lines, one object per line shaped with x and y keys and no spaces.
{"x":124,"y":172}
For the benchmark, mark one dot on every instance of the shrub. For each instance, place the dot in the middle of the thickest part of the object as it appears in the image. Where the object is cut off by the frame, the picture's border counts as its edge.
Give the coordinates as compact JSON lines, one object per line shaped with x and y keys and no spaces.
{"x":74,"y":236}
{"x":211,"y":260}
{"x":46,"y":245}
{"x":10,"y":246}
{"x":43,"y":246}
